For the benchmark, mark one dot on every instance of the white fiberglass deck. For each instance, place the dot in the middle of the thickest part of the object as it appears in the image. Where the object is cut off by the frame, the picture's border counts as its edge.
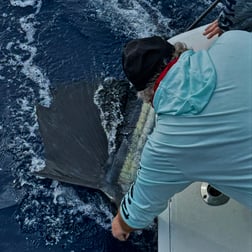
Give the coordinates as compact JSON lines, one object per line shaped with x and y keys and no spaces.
{"x":190,"y":225}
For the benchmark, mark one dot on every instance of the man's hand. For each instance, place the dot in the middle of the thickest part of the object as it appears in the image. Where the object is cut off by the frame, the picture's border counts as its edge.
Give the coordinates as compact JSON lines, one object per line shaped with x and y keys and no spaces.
{"x":212,"y":30}
{"x":120,"y":229}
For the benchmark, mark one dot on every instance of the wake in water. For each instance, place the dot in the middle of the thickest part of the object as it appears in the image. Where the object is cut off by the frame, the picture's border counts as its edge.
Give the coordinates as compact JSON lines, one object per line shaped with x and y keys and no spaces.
{"x":133,"y":18}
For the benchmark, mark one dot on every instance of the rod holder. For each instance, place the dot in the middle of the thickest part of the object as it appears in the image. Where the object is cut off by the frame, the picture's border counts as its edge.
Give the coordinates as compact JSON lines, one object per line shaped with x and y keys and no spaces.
{"x":211,"y":196}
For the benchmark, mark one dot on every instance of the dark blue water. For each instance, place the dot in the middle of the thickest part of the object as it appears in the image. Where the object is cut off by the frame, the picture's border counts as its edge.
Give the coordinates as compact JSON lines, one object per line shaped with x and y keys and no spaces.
{"x":44,"y":44}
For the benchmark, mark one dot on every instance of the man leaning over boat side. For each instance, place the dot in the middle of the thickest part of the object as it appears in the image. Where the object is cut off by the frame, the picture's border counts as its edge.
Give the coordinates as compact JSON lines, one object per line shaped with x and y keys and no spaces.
{"x":235,"y":15}
{"x":203,"y":128}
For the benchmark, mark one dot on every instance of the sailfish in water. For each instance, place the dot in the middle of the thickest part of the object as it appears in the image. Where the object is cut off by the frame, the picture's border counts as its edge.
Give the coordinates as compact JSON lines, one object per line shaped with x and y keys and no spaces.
{"x":76,"y":143}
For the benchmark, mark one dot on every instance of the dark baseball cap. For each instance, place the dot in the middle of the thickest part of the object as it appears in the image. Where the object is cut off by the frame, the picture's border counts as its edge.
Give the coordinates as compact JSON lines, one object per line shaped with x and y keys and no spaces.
{"x":142,"y":58}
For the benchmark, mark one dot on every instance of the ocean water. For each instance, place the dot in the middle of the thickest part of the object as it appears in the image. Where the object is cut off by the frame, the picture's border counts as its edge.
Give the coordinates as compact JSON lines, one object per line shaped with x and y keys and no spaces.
{"x":45,"y":44}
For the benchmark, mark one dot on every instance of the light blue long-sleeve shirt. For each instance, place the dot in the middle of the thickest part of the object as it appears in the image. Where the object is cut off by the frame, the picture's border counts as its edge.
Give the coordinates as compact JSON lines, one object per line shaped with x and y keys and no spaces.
{"x":203,"y":130}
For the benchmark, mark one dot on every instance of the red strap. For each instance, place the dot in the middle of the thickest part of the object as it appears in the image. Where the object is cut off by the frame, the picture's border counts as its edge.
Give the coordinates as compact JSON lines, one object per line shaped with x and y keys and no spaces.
{"x":164,"y":72}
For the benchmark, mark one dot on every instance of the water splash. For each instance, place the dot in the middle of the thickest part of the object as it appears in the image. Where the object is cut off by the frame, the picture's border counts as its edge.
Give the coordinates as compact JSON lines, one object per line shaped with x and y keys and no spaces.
{"x":133,"y":18}
{"x":57,"y":211}
{"x":108,"y":101}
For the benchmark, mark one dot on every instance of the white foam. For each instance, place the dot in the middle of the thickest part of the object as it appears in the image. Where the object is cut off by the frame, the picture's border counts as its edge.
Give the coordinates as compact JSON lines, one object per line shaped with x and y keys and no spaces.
{"x":27,"y":25}
{"x":134,"y":20}
{"x":23,"y":3}
{"x":35,"y":73}
{"x":24,"y":103}
{"x":29,"y":69}
{"x":110,"y":126}
{"x":68,"y":196}
{"x":9,"y":45}
{"x":25,"y":115}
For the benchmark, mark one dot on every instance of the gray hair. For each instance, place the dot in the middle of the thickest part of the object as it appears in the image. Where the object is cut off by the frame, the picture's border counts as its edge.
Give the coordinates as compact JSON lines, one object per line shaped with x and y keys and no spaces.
{"x":146,"y":95}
